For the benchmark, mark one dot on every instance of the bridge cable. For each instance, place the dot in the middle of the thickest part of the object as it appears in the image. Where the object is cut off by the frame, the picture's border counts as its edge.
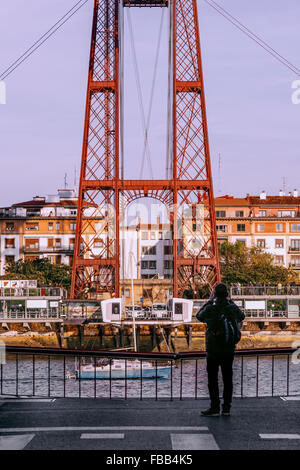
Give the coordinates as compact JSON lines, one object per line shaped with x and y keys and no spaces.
{"x":169,"y":149}
{"x":138,"y":84}
{"x":43,"y":39}
{"x":253,"y":36}
{"x":152,"y":91}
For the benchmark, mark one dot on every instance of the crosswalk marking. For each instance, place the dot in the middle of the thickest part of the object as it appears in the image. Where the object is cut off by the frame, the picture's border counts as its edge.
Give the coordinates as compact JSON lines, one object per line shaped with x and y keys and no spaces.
{"x":290,"y":398}
{"x":18,"y":442}
{"x":106,"y":428}
{"x":193,"y":442}
{"x":101,"y":436}
{"x":28,"y":400}
{"x":279,"y":436}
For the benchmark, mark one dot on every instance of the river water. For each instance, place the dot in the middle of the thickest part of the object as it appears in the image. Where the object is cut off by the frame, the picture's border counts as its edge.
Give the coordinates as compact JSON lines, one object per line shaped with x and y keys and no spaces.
{"x":188,"y":379}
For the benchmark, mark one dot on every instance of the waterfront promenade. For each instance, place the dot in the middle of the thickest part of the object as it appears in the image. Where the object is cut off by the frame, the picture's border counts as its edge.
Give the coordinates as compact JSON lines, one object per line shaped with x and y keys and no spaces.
{"x":41,"y":424}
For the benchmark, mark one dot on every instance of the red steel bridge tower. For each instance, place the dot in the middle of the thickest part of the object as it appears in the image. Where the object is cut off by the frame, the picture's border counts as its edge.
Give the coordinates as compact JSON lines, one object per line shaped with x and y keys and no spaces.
{"x":188,"y":191}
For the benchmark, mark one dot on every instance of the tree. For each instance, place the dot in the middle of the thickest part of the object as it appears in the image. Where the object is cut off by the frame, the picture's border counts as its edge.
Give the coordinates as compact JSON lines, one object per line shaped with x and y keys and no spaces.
{"x":244,"y":265}
{"x":42,"y":270}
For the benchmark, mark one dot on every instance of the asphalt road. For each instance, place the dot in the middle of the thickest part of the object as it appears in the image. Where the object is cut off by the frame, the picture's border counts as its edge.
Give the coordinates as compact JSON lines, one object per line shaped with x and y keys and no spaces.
{"x":263,"y":423}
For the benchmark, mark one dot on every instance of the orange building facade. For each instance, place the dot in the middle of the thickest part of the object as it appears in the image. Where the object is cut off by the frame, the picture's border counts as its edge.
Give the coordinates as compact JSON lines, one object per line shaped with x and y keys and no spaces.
{"x":269,"y":222}
{"x":45,"y":228}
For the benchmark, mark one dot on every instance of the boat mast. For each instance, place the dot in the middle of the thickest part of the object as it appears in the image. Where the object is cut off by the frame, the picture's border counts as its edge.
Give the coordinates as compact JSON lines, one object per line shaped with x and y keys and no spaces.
{"x":132,"y":298}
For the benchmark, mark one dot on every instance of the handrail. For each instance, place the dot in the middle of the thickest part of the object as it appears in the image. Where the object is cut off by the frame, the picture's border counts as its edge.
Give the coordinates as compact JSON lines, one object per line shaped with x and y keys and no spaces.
{"x":139,"y":355}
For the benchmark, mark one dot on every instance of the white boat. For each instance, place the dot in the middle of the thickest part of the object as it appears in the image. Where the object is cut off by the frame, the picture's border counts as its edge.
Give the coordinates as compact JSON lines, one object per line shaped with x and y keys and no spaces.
{"x":118,"y":370}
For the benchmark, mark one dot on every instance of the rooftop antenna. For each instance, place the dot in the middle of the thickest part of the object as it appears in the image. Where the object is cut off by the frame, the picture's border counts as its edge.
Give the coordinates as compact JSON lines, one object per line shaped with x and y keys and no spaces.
{"x":65,"y":180}
{"x":284,"y":184}
{"x":75,"y":177}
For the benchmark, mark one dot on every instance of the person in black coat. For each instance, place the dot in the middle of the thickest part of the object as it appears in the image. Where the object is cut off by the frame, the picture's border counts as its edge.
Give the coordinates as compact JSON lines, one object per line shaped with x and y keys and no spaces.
{"x":219,"y":353}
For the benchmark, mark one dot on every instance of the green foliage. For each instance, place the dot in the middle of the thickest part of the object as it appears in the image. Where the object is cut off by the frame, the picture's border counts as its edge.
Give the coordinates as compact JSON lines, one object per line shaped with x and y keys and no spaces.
{"x":245,"y":265}
{"x":46,"y":273}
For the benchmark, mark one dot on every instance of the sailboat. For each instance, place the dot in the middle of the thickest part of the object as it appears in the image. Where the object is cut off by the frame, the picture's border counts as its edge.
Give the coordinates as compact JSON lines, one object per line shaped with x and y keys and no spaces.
{"x":121,"y":369}
{"x":116,"y":369}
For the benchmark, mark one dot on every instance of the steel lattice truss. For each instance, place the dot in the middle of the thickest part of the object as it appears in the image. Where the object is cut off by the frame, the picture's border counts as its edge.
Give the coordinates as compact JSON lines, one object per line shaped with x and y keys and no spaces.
{"x":188,"y":194}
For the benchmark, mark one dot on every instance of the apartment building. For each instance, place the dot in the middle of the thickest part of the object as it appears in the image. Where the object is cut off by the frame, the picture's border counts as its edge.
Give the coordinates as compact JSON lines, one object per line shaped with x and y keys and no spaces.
{"x":40,"y":228}
{"x":45,"y":227}
{"x":269,"y":222}
{"x":147,"y":251}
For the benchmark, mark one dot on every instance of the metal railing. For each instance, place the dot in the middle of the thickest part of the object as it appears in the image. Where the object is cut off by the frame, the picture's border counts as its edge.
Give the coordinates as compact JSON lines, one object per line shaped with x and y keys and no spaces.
{"x":47,"y":372}
{"x":264,"y":290}
{"x":33,"y":292}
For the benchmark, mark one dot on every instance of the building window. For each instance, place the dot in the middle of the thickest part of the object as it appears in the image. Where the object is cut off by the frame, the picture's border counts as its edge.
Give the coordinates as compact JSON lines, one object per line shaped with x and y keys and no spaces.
{"x":152,"y":236}
{"x":262,"y":213}
{"x":145,"y":235}
{"x":220,"y":213}
{"x":222,"y":228}
{"x":98,"y":243}
{"x":167,"y":235}
{"x":9,"y":259}
{"x":73,"y":226}
{"x":71,"y":243}
{"x":73,"y":212}
{"x":295,"y":261}
{"x":50,"y":226}
{"x":57,"y":226}
{"x":279,"y":243}
{"x":261,"y":227}
{"x":152,"y":264}
{"x":144,"y":265}
{"x":286,"y":213}
{"x":168,"y":264}
{"x":50,"y":243}
{"x":57,"y":243}
{"x":279,"y":259}
{"x":241,"y":227}
{"x":58,"y":259}
{"x":33,"y":212}
{"x":295,"y":245}
{"x":295,"y":227}
{"x":9,"y":243}
{"x":160,"y":235}
{"x":261,"y":243}
{"x":242,"y":241}
{"x":32,"y":244}
{"x":149,"y":250}
{"x":239,"y":213}
{"x":279,"y":227}
{"x":168,"y":250}
{"x":9,"y":226}
{"x":32,"y":226}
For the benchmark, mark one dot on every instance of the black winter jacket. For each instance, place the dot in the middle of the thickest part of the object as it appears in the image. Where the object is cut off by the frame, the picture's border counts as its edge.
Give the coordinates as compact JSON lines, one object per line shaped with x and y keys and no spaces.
{"x":209,"y":314}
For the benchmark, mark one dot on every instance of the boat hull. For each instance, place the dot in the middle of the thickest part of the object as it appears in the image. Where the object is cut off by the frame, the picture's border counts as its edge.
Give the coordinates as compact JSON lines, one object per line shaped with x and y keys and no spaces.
{"x":99,"y":374}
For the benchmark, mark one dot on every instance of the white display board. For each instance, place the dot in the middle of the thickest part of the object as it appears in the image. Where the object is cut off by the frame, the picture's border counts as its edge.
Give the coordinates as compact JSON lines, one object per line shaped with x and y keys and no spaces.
{"x":19,"y":284}
{"x":255,"y":304}
{"x":181,"y":309}
{"x":112,"y":310}
{"x":36,"y":303}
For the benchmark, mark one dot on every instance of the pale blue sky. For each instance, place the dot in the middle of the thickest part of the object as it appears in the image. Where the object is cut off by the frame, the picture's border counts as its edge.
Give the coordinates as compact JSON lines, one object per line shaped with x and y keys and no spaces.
{"x":251,"y":119}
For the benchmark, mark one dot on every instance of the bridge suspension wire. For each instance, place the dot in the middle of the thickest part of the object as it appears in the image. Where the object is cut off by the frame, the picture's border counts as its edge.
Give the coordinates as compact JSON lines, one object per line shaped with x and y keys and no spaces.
{"x":139,"y":88}
{"x":152,"y":91}
{"x":169,"y":102}
{"x":253,"y":36}
{"x":68,"y":15}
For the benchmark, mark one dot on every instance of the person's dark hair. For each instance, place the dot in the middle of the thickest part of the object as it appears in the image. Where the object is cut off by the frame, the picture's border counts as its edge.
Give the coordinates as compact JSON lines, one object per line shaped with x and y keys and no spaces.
{"x":221,"y":291}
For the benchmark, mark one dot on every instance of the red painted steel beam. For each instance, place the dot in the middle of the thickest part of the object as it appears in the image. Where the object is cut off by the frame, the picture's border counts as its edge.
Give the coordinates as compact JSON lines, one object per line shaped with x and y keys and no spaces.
{"x":145,"y":184}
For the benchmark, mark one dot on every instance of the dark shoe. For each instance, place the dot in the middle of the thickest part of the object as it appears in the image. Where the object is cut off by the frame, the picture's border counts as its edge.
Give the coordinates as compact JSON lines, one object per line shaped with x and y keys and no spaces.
{"x":210,"y":412}
{"x":226,"y":411}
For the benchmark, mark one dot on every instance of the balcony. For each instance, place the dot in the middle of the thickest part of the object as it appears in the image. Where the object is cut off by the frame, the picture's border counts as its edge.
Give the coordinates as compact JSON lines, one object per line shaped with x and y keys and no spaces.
{"x":294,"y":249}
{"x":31,"y":248}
